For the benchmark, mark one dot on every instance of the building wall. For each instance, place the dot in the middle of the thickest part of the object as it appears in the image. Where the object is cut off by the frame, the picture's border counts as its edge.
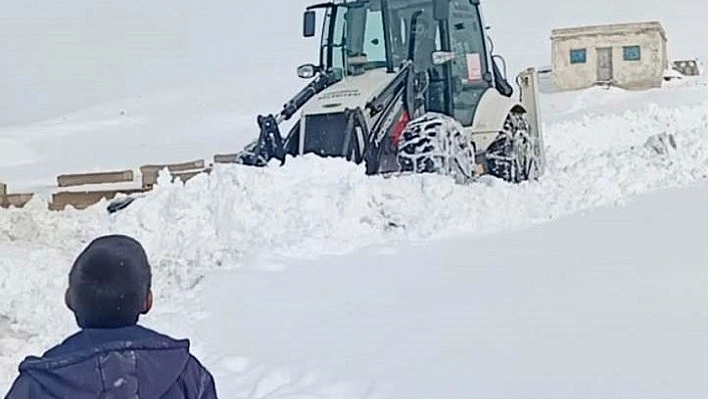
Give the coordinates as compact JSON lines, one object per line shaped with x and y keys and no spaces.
{"x":644,"y":73}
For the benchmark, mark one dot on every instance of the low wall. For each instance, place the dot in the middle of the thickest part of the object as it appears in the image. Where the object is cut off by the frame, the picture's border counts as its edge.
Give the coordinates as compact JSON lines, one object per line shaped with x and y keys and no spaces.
{"x":82,"y":190}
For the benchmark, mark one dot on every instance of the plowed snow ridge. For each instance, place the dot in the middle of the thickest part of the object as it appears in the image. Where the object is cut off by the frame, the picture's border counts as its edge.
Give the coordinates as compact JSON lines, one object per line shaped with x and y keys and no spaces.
{"x":246,"y":216}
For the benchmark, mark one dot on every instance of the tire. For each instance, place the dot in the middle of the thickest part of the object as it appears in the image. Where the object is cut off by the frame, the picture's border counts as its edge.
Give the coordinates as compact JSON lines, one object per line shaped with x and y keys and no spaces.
{"x":517,"y":153}
{"x":436,"y":143}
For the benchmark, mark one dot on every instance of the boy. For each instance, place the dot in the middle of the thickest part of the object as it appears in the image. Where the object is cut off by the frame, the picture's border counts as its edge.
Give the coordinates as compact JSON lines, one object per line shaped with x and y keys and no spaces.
{"x":113,"y":357}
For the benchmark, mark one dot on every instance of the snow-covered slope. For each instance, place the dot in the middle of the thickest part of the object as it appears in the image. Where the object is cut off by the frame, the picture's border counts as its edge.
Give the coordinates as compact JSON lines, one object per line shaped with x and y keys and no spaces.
{"x":242,"y":217}
{"x":603,"y":305}
{"x":59,"y":59}
{"x":178,"y":125}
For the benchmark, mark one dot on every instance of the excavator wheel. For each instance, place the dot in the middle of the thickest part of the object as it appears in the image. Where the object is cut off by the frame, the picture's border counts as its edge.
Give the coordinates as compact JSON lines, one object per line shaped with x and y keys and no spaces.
{"x":516,"y":154}
{"x":436,"y":143}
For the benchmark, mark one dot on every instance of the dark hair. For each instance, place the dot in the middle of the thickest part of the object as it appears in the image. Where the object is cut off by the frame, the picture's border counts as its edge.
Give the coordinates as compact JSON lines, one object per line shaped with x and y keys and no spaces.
{"x":109,"y":282}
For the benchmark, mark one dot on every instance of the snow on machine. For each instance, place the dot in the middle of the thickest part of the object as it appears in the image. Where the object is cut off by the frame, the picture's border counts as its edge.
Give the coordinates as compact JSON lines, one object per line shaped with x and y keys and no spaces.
{"x":408,"y":86}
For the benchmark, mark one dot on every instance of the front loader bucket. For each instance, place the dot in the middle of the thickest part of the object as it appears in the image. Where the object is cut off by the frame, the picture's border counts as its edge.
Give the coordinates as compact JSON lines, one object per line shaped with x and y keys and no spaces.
{"x":268,"y":146}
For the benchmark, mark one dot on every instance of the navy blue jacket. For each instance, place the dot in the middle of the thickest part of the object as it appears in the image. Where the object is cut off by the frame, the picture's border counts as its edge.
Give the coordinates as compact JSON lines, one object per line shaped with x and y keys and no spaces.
{"x":123,"y":363}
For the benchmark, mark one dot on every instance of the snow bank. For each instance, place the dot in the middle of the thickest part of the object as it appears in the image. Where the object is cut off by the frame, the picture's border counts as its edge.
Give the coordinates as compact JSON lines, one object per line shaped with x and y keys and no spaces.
{"x":314,"y":206}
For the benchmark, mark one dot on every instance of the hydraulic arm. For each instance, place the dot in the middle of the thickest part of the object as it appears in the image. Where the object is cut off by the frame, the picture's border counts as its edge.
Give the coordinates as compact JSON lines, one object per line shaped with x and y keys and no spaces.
{"x":270,"y":142}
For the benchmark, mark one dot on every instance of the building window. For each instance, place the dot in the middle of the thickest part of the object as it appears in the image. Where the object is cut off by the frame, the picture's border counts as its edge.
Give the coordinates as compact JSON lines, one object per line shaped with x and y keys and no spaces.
{"x":632,"y":53}
{"x":578,"y":56}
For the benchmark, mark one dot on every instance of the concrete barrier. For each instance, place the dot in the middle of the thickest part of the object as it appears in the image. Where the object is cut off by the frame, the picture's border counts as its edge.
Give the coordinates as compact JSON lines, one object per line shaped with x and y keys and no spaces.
{"x":183,"y":171}
{"x":225,"y":158}
{"x":83,"y":199}
{"x":149,"y":174}
{"x":13,"y":200}
{"x":83,"y":179}
{"x":176,"y":167}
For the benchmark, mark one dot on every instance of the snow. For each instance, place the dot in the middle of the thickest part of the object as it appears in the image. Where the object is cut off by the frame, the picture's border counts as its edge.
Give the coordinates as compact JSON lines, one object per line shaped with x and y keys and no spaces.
{"x":280,"y":273}
{"x":313,"y":280}
{"x":167,"y":126}
{"x":605,"y":304}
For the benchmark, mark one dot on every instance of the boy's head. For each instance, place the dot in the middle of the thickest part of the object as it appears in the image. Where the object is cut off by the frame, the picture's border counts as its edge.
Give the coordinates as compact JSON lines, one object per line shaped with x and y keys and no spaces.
{"x":109,"y":283}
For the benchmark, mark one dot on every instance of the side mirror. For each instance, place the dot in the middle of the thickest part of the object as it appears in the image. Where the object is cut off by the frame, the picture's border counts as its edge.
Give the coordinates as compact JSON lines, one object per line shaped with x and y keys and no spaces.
{"x":441,"y":10}
{"x":307,"y":71}
{"x":309,"y":24}
{"x":503,"y":61}
{"x":500,"y":81}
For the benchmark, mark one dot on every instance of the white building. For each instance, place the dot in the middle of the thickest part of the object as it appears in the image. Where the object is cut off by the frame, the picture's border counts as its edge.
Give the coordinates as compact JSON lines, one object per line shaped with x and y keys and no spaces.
{"x":632,"y":56}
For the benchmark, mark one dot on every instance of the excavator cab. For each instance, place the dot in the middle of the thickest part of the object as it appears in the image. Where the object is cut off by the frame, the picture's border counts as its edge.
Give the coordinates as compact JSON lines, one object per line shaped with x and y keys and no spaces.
{"x":446,"y":39}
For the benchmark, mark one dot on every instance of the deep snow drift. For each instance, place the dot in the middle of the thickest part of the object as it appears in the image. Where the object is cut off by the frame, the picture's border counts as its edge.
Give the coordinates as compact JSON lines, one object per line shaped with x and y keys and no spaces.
{"x":264,"y":218}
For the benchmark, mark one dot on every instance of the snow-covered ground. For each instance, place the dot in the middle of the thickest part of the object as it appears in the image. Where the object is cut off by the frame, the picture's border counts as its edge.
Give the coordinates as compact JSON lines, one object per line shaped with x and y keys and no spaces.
{"x":276,"y":271}
{"x":607,"y":304}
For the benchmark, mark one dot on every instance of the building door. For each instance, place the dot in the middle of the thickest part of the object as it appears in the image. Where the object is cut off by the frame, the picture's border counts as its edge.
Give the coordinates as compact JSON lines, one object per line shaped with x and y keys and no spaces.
{"x":604,"y":64}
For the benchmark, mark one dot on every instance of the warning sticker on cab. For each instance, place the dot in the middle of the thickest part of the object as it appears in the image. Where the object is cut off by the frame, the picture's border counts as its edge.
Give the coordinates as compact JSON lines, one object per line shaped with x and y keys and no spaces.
{"x":474,"y":67}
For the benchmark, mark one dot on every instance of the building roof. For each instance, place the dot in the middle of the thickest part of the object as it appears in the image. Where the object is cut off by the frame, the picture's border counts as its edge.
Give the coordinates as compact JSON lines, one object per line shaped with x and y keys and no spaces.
{"x":613,"y":29}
